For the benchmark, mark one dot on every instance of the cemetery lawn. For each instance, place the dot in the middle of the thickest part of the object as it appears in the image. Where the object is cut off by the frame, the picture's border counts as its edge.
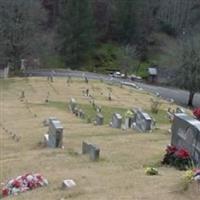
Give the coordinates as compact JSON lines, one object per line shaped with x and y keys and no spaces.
{"x":118,"y":175}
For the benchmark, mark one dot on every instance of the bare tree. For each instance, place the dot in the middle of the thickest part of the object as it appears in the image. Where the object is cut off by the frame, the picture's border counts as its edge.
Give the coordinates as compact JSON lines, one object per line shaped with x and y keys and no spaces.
{"x":188,"y":66}
{"x":21,"y":22}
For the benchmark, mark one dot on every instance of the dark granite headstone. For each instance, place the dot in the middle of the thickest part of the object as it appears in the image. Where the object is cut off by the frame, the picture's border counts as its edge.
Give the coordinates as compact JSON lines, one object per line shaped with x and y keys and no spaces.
{"x":94,"y":153}
{"x":186,"y":134}
{"x":92,"y":150}
{"x":99,"y":119}
{"x":85,"y":147}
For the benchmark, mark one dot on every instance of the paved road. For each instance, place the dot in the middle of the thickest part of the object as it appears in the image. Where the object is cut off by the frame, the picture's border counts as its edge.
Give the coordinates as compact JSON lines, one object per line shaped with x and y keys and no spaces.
{"x":179,"y":96}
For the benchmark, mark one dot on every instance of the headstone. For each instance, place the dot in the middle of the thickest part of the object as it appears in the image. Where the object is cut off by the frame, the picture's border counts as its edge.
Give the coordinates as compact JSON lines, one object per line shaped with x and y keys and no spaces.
{"x":94,"y":153}
{"x":68,"y":79}
{"x":55,"y":134}
{"x":68,"y":184}
{"x":81,"y":114}
{"x":116,"y":120}
{"x":87,"y":92}
{"x":186,"y":134}
{"x":86,"y":80}
{"x":142,"y":121}
{"x":75,"y":111}
{"x":92,"y":150}
{"x":109,"y":97}
{"x":72,"y":104}
{"x":22,"y":95}
{"x":98,"y":109}
{"x":85,"y":148}
{"x":99,"y":119}
{"x":128,"y":123}
{"x":22,"y":65}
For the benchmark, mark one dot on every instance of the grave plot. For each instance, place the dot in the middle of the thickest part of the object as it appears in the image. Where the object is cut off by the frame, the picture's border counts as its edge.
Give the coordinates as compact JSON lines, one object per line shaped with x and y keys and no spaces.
{"x":120,"y":170}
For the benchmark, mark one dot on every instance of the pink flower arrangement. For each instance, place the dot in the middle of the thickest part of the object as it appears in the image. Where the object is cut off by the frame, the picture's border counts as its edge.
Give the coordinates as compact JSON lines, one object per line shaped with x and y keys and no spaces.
{"x":23,"y":184}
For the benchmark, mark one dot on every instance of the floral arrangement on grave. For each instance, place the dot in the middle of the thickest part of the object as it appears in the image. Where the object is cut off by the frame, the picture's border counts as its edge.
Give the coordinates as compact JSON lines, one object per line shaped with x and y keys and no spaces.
{"x":22,"y":184}
{"x":196,"y":113}
{"x":151,"y":171}
{"x":129,"y":114}
{"x":190,"y":176}
{"x":179,"y":158}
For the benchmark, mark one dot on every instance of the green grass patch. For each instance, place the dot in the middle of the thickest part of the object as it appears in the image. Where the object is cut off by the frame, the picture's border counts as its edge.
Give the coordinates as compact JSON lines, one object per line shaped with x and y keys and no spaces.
{"x":107,"y":111}
{"x":160,"y":117}
{"x":90,"y":112}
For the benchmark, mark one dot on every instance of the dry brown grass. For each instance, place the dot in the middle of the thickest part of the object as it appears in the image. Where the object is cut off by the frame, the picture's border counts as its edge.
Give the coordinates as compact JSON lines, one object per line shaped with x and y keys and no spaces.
{"x":119,"y":175}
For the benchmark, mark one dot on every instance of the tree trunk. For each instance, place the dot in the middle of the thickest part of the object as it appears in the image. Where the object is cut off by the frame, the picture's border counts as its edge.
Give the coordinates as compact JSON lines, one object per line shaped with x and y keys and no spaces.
{"x":190,"y":101}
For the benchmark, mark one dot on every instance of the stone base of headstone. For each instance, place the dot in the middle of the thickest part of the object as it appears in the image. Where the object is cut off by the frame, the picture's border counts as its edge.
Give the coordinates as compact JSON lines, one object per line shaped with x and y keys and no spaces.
{"x":68,"y":184}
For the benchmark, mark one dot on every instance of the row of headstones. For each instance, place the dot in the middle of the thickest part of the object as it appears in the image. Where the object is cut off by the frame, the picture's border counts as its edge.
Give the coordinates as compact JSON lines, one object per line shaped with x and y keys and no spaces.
{"x":73,"y":107}
{"x":186,"y":134}
{"x":54,"y":139}
{"x":23,"y":99}
{"x":13,"y":135}
{"x":141,"y":121}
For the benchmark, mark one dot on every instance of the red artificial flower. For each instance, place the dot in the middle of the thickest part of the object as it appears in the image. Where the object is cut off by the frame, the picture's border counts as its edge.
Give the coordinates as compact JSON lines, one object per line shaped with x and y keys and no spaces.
{"x":182,"y":153}
{"x":171,"y":149}
{"x":196,"y":113}
{"x":16,"y":184}
{"x":5,"y":192}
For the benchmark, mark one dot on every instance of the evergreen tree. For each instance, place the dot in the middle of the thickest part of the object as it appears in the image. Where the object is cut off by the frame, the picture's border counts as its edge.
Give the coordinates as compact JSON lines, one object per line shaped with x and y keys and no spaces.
{"x":124,"y":26}
{"x":76,"y":31}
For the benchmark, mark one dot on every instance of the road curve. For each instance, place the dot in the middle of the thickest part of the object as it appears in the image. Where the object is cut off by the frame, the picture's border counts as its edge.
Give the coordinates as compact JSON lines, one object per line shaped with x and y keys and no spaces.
{"x":179,"y":96}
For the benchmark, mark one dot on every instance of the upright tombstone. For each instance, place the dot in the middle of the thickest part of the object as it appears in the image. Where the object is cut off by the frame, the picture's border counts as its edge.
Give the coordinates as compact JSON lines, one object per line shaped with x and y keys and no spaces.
{"x":55,"y":139}
{"x":92,"y":150}
{"x":186,"y":134}
{"x":99,"y":119}
{"x":116,"y":120}
{"x":72,"y":105}
{"x":128,"y":119}
{"x":94,"y":153}
{"x":142,"y":121}
{"x":85,"y":147}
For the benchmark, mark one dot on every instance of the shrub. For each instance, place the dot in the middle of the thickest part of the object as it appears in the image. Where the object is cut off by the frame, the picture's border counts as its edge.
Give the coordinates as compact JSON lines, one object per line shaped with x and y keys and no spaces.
{"x":155,"y":105}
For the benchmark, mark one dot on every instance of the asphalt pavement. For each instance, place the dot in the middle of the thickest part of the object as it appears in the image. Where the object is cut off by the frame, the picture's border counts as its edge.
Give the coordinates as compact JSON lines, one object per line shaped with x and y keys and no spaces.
{"x":179,"y":96}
